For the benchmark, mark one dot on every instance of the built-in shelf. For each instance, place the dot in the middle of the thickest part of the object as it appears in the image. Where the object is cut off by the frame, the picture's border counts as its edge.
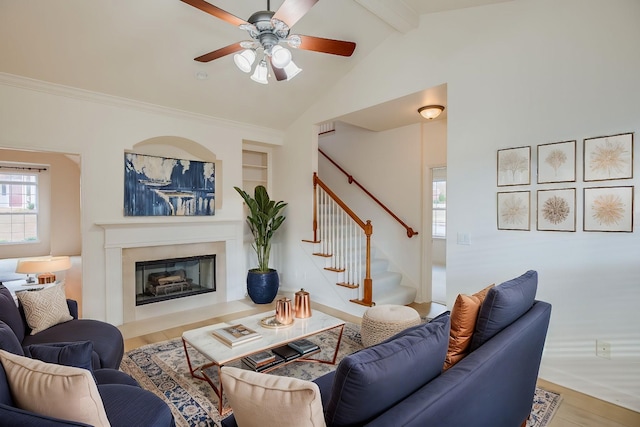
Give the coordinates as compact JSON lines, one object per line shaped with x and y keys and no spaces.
{"x":255,"y":169}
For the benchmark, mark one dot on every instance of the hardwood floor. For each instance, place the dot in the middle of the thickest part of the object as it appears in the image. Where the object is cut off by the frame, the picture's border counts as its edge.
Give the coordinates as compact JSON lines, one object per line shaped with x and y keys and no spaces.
{"x":576,"y":409}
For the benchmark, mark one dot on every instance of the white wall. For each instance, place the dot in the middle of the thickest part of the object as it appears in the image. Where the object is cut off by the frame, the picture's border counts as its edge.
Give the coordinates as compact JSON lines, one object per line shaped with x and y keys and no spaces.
{"x":38,"y":116}
{"x":519,"y":73}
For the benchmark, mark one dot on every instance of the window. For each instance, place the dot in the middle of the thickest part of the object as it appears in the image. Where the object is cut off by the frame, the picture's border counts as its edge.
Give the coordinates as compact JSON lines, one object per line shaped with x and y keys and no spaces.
{"x":18,"y":205}
{"x":439,"y":209}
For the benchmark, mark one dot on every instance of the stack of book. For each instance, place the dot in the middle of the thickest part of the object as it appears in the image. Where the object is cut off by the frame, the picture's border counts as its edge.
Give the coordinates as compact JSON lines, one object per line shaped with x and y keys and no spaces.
{"x":286,"y":352}
{"x":235,"y":334}
{"x":303,"y":346}
{"x":262,"y":360}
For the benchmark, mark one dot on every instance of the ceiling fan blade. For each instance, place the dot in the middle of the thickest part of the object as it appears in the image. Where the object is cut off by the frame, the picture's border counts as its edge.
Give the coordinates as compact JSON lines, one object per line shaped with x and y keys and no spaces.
{"x":279,"y":73}
{"x":232,"y":48}
{"x":334,"y":47}
{"x":291,"y":11}
{"x":216,"y":11}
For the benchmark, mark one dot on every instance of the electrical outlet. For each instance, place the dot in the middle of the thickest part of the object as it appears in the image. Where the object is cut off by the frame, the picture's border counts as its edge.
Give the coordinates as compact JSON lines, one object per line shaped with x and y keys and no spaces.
{"x":603,"y":349}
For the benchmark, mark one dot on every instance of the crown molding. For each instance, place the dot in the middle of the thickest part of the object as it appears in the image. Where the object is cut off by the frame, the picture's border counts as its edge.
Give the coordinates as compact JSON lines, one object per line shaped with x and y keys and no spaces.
{"x":26,"y":83}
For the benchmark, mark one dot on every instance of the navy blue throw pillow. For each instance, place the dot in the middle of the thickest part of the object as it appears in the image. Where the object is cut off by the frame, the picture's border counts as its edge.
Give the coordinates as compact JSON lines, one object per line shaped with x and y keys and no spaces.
{"x":503,"y":305}
{"x":76,"y":354}
{"x":9,"y":341}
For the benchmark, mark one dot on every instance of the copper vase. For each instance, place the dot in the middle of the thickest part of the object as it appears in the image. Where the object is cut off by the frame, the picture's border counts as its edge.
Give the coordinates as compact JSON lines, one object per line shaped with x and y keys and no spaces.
{"x":284,"y":313}
{"x":303,"y":304}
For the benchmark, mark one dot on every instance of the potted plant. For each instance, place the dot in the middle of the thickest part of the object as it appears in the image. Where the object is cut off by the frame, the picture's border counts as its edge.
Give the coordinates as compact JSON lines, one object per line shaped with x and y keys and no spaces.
{"x":264,"y":219}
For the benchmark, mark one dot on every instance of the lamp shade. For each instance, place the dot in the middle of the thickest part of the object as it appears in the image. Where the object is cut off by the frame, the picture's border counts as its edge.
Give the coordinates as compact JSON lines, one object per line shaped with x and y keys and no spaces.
{"x":44,"y":265}
{"x":430,"y":111}
{"x":260,"y":74}
{"x":244,"y":60}
{"x":291,"y":70}
{"x":280,"y":56}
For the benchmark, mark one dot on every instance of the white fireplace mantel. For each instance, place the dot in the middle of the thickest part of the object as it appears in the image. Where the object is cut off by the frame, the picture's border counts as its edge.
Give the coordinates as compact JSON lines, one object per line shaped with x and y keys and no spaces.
{"x":171,"y":231}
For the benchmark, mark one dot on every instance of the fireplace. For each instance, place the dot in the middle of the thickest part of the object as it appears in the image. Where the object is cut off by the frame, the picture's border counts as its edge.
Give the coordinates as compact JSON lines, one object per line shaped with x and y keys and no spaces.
{"x":165,"y":279}
{"x":130,"y":241}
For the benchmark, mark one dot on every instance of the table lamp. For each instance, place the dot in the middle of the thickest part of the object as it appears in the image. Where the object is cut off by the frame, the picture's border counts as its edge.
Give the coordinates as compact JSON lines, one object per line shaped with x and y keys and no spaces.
{"x":45,"y":266}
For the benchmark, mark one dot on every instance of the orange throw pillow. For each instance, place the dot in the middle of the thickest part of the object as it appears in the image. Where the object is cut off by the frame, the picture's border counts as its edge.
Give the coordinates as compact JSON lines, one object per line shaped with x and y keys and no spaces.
{"x":463,"y":323}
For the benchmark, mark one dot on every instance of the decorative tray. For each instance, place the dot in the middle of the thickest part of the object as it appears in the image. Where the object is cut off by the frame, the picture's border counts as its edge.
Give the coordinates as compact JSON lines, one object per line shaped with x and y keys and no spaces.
{"x":271,"y":322}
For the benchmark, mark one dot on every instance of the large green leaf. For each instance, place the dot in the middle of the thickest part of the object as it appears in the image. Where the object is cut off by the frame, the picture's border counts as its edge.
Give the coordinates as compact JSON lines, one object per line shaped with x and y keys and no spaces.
{"x":264,"y":219}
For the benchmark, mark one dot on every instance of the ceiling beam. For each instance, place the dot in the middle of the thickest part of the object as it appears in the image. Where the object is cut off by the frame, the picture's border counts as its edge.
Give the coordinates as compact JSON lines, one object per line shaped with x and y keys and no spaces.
{"x":396,"y":13}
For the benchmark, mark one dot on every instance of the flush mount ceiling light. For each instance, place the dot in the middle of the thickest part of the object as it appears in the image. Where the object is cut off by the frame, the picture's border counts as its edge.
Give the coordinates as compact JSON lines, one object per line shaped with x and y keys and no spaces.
{"x":430,"y":111}
{"x":269,"y":32}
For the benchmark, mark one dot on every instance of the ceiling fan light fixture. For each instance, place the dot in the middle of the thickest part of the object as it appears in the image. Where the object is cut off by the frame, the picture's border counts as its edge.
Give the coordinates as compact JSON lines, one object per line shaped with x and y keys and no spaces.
{"x":260,"y":74}
{"x":430,"y":111}
{"x":244,"y":60}
{"x":291,"y":70}
{"x":280,"y":56}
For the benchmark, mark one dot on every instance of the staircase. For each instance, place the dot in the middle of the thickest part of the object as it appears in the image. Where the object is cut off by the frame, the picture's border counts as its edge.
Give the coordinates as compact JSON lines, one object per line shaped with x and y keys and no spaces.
{"x":386,"y":284}
{"x":342,"y":246}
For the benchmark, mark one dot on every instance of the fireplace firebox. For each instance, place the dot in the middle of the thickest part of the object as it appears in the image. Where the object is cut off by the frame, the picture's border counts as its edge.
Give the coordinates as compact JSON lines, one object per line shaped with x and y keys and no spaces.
{"x":166,"y":279}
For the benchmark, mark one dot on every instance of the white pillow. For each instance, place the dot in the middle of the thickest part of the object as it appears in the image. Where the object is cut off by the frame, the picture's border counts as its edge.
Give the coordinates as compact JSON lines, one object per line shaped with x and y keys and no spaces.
{"x":269,"y":400}
{"x":45,"y":307}
{"x":54,"y":390}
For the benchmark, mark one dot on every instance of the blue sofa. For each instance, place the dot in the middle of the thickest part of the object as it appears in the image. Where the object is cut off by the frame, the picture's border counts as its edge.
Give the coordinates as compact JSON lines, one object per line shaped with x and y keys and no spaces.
{"x":108,"y":344}
{"x":400,"y":382}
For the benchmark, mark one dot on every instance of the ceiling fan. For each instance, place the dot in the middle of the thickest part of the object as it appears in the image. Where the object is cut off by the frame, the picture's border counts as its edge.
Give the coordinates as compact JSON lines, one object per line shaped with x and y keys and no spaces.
{"x":270,"y":32}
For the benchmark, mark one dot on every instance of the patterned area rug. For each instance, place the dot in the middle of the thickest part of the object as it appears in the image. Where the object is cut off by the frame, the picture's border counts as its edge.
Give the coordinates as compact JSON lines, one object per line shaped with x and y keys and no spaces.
{"x":162,"y":368}
{"x":545,"y":404}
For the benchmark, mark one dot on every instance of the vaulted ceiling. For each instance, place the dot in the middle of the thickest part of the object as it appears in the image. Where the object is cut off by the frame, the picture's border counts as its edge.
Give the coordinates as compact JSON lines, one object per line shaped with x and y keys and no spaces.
{"x":145,"y":49}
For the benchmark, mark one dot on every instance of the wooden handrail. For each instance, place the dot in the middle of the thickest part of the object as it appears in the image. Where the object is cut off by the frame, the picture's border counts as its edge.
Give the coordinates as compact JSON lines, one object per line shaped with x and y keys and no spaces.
{"x":351,"y":180}
{"x":367,"y":228}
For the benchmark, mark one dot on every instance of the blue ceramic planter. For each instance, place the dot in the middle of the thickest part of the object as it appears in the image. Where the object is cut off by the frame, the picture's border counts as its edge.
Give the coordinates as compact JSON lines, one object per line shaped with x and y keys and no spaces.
{"x":262,"y":287}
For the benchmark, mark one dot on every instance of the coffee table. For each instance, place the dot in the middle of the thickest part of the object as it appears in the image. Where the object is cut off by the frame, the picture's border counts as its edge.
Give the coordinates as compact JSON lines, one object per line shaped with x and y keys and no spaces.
{"x":220,"y":354}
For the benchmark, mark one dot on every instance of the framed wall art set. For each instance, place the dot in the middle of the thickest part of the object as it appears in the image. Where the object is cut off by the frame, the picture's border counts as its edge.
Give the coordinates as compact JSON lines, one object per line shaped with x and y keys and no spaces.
{"x":604,"y":208}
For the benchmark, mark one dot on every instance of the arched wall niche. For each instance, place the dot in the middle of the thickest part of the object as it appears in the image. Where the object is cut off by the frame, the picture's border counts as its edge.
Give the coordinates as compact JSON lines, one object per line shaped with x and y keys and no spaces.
{"x":182,"y":148}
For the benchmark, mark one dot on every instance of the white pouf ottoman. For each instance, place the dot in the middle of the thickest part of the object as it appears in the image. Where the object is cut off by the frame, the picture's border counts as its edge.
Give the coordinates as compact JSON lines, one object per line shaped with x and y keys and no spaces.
{"x":384,"y":321}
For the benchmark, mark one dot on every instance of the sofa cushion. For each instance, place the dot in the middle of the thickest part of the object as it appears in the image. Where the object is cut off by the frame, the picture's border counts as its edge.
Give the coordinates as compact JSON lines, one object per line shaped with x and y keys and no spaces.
{"x":45,"y":307}
{"x":76,"y":354}
{"x":464,"y":315}
{"x":372,"y":380}
{"x":268,"y":400}
{"x":10,"y":314}
{"x":9,"y":341}
{"x":53,"y":390}
{"x":503,"y":305}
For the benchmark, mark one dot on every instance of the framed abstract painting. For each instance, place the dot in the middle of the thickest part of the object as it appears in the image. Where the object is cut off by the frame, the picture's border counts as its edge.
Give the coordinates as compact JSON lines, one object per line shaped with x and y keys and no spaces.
{"x":163,"y":186}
